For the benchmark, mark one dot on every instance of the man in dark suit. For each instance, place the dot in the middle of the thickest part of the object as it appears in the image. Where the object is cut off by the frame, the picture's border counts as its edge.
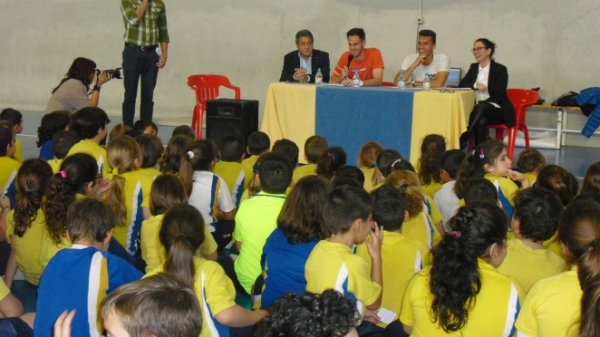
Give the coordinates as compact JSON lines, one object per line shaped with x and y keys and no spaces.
{"x":301,"y":65}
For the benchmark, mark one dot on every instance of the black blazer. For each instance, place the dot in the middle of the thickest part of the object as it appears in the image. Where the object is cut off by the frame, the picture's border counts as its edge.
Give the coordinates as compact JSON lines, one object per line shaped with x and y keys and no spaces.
{"x":291,"y":61}
{"x":497,"y":84}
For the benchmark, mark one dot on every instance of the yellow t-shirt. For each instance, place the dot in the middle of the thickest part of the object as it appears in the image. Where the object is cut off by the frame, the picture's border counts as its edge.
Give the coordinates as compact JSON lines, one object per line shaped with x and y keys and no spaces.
{"x":55,"y":164}
{"x":150,"y":172}
{"x":234,"y":176}
{"x":429,"y":190}
{"x":401,"y":259}
{"x":553,"y":244}
{"x":137,"y":197}
{"x":304,"y":171}
{"x":153,"y":252}
{"x":495,"y":309}
{"x":29,"y":246}
{"x":527,"y":265}
{"x":368,"y":172}
{"x":214,"y":290}
{"x":18,"y":150}
{"x":8,"y":174}
{"x":248,"y":167}
{"x":49,"y":248}
{"x":421,"y":228}
{"x":332,"y":265}
{"x":96,"y":151}
{"x":4,"y":291}
{"x":531,"y":178}
{"x":507,"y":191}
{"x":552,"y":307}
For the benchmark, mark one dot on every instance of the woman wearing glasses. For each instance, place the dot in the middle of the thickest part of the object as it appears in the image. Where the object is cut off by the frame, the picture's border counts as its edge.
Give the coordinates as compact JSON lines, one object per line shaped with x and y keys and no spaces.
{"x":72,"y":93}
{"x":489,"y":79}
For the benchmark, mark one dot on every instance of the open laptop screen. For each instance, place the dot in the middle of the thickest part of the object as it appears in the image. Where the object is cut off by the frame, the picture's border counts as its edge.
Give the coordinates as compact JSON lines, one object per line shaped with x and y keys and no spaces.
{"x":453,"y":77}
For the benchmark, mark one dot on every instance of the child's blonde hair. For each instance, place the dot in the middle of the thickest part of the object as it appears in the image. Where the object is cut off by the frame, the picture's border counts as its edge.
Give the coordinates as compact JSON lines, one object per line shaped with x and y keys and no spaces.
{"x":124,"y":155}
{"x":369,"y":151}
{"x":408,"y":183}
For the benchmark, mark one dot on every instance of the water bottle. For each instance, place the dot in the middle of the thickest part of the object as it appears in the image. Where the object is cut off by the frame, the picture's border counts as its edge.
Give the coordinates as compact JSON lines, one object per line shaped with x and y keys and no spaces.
{"x":319,"y":77}
{"x":401,"y":81}
{"x":426,"y":82}
{"x":356,"y":79}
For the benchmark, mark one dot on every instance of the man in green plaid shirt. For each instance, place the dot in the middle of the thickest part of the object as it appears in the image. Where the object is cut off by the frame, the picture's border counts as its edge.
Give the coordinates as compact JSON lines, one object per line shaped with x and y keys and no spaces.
{"x":145,"y":30}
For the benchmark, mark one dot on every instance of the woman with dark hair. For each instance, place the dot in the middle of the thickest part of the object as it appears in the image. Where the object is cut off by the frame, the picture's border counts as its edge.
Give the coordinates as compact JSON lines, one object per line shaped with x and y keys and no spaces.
{"x":489,"y":80}
{"x":72,"y":93}
{"x":463,"y":292}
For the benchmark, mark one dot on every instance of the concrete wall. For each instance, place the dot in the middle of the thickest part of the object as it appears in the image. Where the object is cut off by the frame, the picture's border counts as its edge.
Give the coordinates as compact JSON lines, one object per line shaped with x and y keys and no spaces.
{"x":551,"y":43}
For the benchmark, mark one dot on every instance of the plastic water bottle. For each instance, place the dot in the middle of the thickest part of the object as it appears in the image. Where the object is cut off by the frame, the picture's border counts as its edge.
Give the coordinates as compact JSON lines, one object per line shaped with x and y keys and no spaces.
{"x":319,"y":77}
{"x":426,"y":82}
{"x":356,"y":79}
{"x":401,"y":81}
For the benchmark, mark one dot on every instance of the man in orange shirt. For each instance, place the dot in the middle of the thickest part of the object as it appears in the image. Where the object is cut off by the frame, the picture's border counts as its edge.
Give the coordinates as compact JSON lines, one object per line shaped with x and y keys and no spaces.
{"x":367,"y":61}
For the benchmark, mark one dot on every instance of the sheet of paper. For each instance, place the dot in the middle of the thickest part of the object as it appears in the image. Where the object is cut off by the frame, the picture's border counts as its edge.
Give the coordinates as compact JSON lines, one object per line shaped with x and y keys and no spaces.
{"x":386,"y":316}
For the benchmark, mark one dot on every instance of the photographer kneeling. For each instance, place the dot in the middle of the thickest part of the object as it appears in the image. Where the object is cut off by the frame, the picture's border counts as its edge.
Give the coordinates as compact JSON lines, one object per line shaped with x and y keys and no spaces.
{"x":72,"y":93}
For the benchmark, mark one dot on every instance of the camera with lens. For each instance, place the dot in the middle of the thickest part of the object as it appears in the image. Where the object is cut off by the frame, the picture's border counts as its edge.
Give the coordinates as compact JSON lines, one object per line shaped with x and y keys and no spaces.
{"x":114,"y":73}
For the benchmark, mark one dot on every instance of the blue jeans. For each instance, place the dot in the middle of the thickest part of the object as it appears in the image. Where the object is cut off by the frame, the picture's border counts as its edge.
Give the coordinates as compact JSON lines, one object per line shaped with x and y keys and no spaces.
{"x":138,"y":63}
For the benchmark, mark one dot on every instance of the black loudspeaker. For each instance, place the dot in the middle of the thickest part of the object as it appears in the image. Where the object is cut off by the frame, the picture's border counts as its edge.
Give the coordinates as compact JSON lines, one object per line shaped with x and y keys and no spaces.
{"x":230,"y":117}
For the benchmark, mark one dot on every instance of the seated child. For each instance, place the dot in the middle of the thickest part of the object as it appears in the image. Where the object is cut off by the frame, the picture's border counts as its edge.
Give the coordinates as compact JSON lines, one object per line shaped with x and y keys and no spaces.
{"x":287,"y":149}
{"x":62,"y":142}
{"x":167,"y":191}
{"x":16,"y":119}
{"x":145,"y":127}
{"x":591,"y":180}
{"x":401,"y":256}
{"x":257,"y":217}
{"x":445,"y":198}
{"x":331,"y":161}
{"x":176,"y":149}
{"x":182,"y":234}
{"x":537,"y":211}
{"x":26,"y":224}
{"x":429,"y":165}
{"x":531,"y":162}
{"x":9,"y":165}
{"x":367,"y":162}
{"x":332,"y":265}
{"x":133,"y":308}
{"x":184,"y":130}
{"x":51,"y":123}
{"x":152,"y":150}
{"x":314,"y":147}
{"x":230,"y":168}
{"x":327,"y":314}
{"x":258,"y":143}
{"x":91,"y":125}
{"x":208,"y":192}
{"x":80,"y":277}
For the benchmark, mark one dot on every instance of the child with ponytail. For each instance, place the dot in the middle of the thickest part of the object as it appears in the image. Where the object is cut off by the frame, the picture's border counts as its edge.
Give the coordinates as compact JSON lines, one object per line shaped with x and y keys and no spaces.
{"x":129,"y":193}
{"x":462,"y":293}
{"x":490,"y":161}
{"x":208,"y":192}
{"x":567,"y":304}
{"x":166,"y":192}
{"x":182,"y":234}
{"x":429,"y":167}
{"x":367,"y":162}
{"x":25,"y":224}
{"x":331,"y":161}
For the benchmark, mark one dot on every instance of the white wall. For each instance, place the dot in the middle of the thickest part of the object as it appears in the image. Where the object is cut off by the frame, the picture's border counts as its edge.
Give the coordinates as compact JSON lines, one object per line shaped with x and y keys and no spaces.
{"x":546,"y":43}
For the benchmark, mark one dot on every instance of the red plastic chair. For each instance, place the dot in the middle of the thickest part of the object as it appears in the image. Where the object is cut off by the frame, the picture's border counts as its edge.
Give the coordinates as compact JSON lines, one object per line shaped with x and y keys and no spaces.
{"x":206,"y":88}
{"x":521,"y":99}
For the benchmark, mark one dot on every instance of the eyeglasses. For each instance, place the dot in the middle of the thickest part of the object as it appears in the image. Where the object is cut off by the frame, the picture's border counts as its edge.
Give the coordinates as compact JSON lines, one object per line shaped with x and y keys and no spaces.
{"x":447,"y":90}
{"x":477,"y":49}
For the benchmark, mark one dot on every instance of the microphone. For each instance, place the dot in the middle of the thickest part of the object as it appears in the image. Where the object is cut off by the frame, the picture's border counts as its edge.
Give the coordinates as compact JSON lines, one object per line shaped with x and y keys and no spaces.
{"x":350,"y":57}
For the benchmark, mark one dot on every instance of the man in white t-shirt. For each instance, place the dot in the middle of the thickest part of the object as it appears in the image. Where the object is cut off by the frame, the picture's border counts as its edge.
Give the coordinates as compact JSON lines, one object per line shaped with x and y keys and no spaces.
{"x":415,"y":66}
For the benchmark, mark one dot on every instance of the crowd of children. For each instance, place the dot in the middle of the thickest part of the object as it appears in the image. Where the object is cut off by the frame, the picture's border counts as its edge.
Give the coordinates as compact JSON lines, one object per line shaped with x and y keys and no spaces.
{"x":456,"y":244}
